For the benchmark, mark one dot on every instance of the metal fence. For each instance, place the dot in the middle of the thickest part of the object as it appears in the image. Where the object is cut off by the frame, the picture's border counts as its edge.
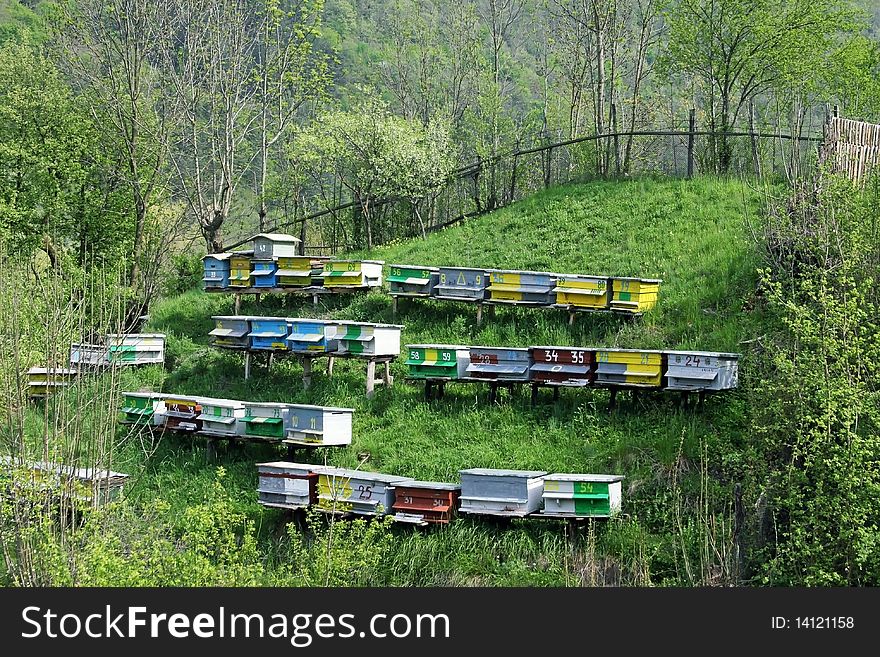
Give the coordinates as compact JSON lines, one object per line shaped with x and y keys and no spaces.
{"x":494,"y":182}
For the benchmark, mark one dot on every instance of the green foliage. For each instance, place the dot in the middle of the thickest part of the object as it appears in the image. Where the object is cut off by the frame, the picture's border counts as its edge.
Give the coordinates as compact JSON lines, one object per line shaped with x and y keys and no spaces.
{"x":60,"y":191}
{"x":819,"y":418}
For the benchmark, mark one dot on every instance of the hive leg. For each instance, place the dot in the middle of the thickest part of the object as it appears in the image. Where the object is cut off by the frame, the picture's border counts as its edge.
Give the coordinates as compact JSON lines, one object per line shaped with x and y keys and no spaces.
{"x":330,"y":362}
{"x":555,"y":393}
{"x":237,"y":303}
{"x":387,"y":376}
{"x":247,"y":365}
{"x":428,"y":386}
{"x":534,"y":394}
{"x":394,"y":307}
{"x":479,"y":314}
{"x":371,"y":377}
{"x":307,"y":372}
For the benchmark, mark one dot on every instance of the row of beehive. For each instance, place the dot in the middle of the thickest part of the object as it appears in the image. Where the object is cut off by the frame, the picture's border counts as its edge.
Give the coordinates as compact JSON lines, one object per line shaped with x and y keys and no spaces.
{"x":82,"y":486}
{"x":119,"y":349}
{"x":569,"y":291}
{"x":308,"y":336}
{"x":481,"y":491}
{"x":292,"y":424}
{"x":273,"y":263}
{"x":576,"y":366}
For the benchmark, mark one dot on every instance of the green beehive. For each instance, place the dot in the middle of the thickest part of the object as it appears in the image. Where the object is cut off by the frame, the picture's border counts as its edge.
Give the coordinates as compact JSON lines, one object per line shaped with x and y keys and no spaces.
{"x":581,"y":495}
{"x":432,"y":361}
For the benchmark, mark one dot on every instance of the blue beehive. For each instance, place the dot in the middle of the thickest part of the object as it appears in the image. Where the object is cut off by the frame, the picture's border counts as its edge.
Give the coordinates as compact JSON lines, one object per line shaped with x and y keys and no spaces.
{"x":216,"y":276}
{"x":264,"y":273}
{"x":309,"y":336}
{"x":269,"y":333}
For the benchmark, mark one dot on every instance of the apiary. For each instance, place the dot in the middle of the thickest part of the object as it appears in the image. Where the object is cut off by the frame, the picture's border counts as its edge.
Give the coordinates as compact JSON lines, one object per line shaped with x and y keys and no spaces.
{"x":265,"y":420}
{"x":427,"y":361}
{"x":352,"y":273}
{"x":271,"y":246}
{"x":701,"y":370}
{"x":514,"y":493}
{"x":136,"y":348}
{"x":43,"y":381}
{"x":221,"y":417}
{"x":143,"y":408}
{"x":230,"y":332}
{"x":182,"y":414}
{"x":216,"y":271}
{"x":356,"y":491}
{"x":425,"y":502}
{"x":412,"y":280}
{"x":634,"y":368}
{"x":634,"y":295}
{"x":364,"y":338}
{"x":581,"y":495}
{"x":562,"y":366}
{"x":319,"y":426}
{"x":499,"y":363}
{"x":521,"y":287}
{"x":263,"y":273}
{"x":578,"y":291}
{"x":309,"y":336}
{"x":286,"y":485}
{"x":462,"y":284}
{"x":269,"y":333}
{"x":240,"y":269}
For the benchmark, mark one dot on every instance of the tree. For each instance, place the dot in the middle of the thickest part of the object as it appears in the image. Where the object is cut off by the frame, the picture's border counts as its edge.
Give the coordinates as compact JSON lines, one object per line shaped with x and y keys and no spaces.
{"x":374,"y":155}
{"x":236,"y":78}
{"x":108,"y":48}
{"x":59,"y":191}
{"x":736,"y":50}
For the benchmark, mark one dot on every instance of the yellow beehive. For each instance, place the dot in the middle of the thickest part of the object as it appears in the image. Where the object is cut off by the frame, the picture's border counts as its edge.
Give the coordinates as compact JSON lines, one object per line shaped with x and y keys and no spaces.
{"x":629,"y":367}
{"x":634,"y":295}
{"x":294,"y":271}
{"x":582,"y":291}
{"x":240,"y":271}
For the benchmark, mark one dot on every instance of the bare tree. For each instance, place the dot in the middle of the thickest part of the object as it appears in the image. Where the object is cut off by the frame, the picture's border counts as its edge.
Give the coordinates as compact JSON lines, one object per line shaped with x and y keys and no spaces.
{"x":108,"y":48}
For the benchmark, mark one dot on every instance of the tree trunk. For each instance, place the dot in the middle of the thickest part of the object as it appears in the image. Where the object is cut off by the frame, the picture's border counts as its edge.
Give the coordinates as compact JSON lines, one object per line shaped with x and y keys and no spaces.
{"x":600,"y":84}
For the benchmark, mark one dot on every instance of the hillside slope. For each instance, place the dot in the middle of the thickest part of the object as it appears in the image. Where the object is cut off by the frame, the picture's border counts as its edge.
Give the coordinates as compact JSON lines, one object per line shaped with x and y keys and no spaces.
{"x":692,"y":234}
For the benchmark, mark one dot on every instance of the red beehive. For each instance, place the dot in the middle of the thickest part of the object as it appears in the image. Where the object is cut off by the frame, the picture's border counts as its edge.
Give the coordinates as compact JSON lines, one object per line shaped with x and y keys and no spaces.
{"x":181,"y":414}
{"x":423,"y":502}
{"x":563,"y":366}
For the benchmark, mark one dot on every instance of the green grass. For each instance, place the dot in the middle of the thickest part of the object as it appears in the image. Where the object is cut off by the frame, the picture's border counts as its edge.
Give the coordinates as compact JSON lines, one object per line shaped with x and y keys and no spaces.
{"x":692,"y":234}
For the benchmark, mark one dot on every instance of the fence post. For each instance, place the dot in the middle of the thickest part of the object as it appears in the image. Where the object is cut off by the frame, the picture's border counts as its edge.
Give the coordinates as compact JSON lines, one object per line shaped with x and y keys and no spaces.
{"x":756,"y":160}
{"x":513,"y":177}
{"x":547,"y":167}
{"x":616,"y":141}
{"x":692,"y":128}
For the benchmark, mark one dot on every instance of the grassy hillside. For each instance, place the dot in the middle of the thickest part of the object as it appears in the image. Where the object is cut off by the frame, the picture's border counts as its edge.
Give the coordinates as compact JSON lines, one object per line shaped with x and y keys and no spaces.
{"x":692,"y":234}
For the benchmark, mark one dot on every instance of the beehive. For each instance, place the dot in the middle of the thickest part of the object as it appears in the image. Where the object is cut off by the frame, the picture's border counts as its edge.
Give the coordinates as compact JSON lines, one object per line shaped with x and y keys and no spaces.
{"x":136,"y":348}
{"x":269,"y":333}
{"x":461,"y":284}
{"x":230,"y":332}
{"x":634,"y":295}
{"x":363,"y":338}
{"x":288,"y":485}
{"x":43,"y":381}
{"x":263,"y":273}
{"x":271,"y":246}
{"x":89,"y":355}
{"x":265,"y":420}
{"x":563,"y":366}
{"x":182,"y":414}
{"x":309,"y":336}
{"x":521,"y":287}
{"x":319,"y":426}
{"x":216,"y":271}
{"x":576,"y":291}
{"x":439,"y":361}
{"x":356,"y":491}
{"x":412,"y":280}
{"x":352,"y":273}
{"x":499,"y":363}
{"x":295,"y":271}
{"x":701,"y":370}
{"x":85,"y":487}
{"x":425,"y":502}
{"x":221,"y":417}
{"x":143,"y":408}
{"x":634,"y":368}
{"x":514,"y":493}
{"x":240,"y":269}
{"x":581,"y":495}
